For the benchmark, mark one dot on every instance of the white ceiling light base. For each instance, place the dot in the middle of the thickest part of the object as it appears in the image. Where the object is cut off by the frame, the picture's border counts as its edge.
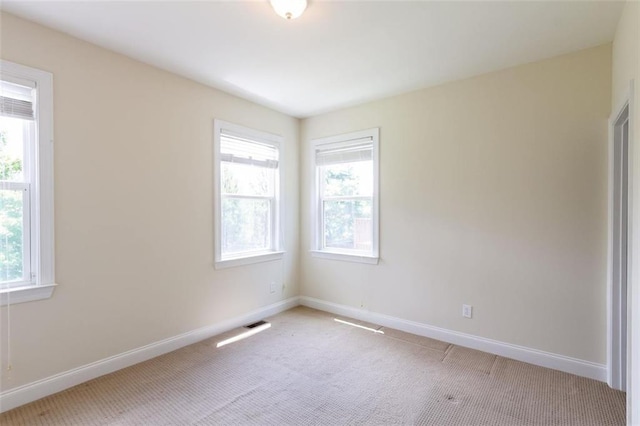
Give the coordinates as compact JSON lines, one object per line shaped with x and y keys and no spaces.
{"x":289,"y":9}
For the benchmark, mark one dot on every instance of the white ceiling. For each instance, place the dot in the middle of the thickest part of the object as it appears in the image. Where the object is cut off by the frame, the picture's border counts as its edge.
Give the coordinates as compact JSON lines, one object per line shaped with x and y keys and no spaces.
{"x":339,"y":53}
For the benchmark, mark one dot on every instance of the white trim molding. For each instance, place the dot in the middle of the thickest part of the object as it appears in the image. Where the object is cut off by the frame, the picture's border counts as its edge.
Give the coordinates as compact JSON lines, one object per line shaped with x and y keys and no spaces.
{"x":620,"y":243}
{"x":633,"y":275}
{"x":14,"y":295}
{"x":249,"y":260}
{"x":41,"y":206}
{"x":563,"y":363}
{"x":325,"y":254}
{"x":21,"y":395}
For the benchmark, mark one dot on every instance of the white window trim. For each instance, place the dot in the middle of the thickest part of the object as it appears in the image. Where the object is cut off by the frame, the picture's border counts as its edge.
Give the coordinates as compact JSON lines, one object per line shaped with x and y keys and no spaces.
{"x":42,"y":246}
{"x":316,"y":238}
{"x":278,"y":223}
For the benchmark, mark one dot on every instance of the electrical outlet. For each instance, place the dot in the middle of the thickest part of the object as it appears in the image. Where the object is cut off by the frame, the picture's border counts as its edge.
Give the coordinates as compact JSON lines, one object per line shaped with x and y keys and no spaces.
{"x":467,"y":311}
{"x":272,"y":287}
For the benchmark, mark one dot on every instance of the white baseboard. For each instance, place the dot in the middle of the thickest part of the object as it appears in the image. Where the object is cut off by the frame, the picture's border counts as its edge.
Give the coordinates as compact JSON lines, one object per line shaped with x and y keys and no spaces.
{"x":33,"y":391}
{"x":567,"y":364}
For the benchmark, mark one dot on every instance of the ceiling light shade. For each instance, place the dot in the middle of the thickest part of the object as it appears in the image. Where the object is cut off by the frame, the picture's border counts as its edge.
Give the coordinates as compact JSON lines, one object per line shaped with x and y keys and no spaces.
{"x":289,"y":9}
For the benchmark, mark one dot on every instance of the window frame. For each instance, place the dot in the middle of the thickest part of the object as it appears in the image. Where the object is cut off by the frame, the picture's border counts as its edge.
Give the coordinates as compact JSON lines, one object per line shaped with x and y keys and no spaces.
{"x":276,"y":212}
{"x":41,"y":206}
{"x":317,"y":217}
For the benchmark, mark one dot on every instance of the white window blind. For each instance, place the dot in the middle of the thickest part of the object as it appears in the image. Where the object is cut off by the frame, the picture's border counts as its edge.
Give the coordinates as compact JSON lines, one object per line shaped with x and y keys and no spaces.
{"x":16,"y":101}
{"x":353,"y":151}
{"x":235,"y":149}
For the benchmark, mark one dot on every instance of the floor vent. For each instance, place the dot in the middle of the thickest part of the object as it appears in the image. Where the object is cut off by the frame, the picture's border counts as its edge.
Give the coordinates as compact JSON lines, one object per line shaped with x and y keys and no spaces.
{"x":256,"y":324}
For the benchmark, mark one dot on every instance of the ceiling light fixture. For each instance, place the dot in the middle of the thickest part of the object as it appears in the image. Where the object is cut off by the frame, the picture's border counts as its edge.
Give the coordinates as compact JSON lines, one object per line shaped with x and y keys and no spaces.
{"x":289,"y":9}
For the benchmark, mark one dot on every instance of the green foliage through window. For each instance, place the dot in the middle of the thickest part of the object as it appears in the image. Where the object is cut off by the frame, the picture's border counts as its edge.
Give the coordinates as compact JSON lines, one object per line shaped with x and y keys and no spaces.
{"x":248,"y":173}
{"x":11,"y":215}
{"x":346,"y":205}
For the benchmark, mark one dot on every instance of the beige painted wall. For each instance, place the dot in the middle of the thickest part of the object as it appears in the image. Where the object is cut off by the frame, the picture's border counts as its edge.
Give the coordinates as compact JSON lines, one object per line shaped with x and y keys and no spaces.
{"x":133,"y":207}
{"x":494,"y":194}
{"x":626,"y":67}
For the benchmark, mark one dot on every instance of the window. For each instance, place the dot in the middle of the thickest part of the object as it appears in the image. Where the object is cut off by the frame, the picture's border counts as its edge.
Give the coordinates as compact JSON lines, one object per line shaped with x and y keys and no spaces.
{"x":345,"y":197}
{"x":248,"y":202}
{"x":26,"y":184}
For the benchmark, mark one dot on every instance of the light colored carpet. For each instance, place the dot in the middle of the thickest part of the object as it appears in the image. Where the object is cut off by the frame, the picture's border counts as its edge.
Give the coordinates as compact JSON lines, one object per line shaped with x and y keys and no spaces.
{"x":308,"y":369}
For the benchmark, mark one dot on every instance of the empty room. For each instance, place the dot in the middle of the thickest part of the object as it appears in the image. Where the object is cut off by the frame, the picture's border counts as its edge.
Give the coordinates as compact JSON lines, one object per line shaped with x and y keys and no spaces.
{"x":288,"y":212}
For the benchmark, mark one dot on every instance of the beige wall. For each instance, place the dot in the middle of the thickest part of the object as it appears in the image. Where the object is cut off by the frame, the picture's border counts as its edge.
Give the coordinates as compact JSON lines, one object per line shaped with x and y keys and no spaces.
{"x":626,"y":67}
{"x":494,"y":194}
{"x":626,"y":52}
{"x":133,"y":207}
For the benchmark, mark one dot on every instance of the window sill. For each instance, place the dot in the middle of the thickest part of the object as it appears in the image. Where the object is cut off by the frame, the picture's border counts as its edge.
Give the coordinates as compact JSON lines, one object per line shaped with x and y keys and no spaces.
{"x":231,"y":262}
{"x":345,"y":257}
{"x":27,"y":293}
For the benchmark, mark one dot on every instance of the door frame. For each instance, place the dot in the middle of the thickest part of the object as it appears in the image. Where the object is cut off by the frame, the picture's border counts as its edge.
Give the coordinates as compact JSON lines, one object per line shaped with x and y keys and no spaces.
{"x":619,"y":287}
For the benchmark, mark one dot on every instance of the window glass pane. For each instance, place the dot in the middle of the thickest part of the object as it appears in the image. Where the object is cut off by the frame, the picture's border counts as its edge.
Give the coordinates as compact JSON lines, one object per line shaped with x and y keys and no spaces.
{"x":11,"y":148}
{"x":11,"y":235}
{"x":245,"y":179}
{"x":349,"y":179}
{"x":348,"y":224}
{"x":245,"y":225}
